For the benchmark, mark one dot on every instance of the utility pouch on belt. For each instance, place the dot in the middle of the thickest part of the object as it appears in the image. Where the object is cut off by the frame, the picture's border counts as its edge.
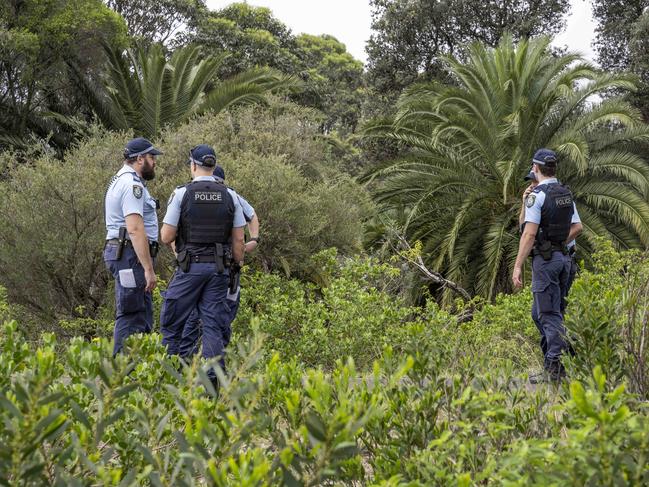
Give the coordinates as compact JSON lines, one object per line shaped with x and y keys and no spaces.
{"x":121,"y":241}
{"x":545,"y":250}
{"x":218,"y":258}
{"x":183,"y":260}
{"x":154,"y":247}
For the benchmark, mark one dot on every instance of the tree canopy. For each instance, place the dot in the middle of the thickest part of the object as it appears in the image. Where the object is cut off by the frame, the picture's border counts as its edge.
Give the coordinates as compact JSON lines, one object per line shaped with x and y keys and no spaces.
{"x":39,"y":38}
{"x":410,"y":35}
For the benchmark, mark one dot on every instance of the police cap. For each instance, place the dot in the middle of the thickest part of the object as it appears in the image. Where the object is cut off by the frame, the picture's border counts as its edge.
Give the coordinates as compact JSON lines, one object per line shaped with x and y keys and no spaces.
{"x":530,"y":176}
{"x":138,"y":147}
{"x":202,"y":155}
{"x":545,"y":157}
{"x":219,"y":172}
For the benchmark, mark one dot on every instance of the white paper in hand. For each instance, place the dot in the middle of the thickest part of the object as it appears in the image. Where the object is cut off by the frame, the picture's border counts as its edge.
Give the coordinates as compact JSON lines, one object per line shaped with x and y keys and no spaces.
{"x":127,"y":278}
{"x":233,"y":296}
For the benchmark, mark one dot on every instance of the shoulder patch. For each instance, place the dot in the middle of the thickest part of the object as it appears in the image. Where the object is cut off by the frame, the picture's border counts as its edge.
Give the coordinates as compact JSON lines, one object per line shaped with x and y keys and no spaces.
{"x":529,"y":202}
{"x":137,"y":191}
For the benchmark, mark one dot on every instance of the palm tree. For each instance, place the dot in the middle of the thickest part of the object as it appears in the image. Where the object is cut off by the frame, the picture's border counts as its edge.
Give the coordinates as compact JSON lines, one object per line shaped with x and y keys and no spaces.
{"x":468,"y":147}
{"x":147,"y":92}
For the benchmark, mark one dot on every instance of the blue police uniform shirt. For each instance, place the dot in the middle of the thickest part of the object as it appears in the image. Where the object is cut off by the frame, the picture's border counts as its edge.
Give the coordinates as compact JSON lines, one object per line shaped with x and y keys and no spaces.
{"x":535,"y":201}
{"x":248,"y":210}
{"x":172,"y":217}
{"x":128,"y":195}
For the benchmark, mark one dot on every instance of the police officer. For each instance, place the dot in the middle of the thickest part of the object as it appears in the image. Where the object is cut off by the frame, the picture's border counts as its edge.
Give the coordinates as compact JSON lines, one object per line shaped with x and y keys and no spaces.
{"x":571,"y":246}
{"x":205,"y":222}
{"x":190,"y":342}
{"x":551,"y":220}
{"x":132,"y":240}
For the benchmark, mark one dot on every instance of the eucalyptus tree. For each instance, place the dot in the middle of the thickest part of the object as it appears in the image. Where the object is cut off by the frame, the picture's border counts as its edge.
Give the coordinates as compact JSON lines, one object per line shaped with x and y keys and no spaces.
{"x":469,"y":145}
{"x":146,"y":91}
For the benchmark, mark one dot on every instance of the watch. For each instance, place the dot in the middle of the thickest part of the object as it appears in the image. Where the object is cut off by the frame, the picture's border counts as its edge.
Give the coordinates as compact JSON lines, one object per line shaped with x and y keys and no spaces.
{"x":254,"y":239}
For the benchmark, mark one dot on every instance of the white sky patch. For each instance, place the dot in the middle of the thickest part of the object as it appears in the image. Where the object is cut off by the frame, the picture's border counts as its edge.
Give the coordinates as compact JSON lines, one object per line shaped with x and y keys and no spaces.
{"x":349,"y":22}
{"x":346,"y":20}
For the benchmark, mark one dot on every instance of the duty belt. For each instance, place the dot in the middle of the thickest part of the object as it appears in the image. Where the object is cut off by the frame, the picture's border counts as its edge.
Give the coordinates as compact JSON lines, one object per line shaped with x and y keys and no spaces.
{"x":206,"y":259}
{"x":154,"y":247}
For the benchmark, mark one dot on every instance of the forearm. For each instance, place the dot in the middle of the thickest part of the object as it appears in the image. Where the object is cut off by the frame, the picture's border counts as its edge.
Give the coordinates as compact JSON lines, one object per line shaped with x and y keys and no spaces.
{"x":521,"y":216}
{"x":524,"y":249}
{"x":253,"y":227}
{"x":238,"y":244}
{"x":575,"y":230}
{"x":253,"y":230}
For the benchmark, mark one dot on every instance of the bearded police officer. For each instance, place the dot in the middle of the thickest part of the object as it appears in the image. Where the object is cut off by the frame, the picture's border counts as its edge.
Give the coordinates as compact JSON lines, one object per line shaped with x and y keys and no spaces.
{"x":190,"y":342}
{"x":551,"y":220}
{"x":132,"y":240}
{"x":205,"y":222}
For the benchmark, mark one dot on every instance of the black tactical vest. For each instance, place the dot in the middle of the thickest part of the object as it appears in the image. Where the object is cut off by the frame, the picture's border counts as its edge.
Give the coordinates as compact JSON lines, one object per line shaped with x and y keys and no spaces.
{"x":556,"y":215}
{"x":206,"y":217}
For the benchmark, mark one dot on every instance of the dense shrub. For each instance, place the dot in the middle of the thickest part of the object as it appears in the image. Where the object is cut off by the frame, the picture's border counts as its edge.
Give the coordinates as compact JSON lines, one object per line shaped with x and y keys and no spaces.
{"x":608,"y":318}
{"x":52,"y":218}
{"x":83,"y":418}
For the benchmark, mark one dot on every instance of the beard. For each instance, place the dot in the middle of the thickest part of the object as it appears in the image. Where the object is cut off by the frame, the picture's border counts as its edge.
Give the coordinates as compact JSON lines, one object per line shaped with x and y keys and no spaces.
{"x":148,"y":171}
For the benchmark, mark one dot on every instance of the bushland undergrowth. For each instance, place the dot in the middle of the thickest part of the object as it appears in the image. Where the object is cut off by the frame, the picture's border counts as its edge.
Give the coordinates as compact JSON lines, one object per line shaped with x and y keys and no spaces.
{"x":340,"y":384}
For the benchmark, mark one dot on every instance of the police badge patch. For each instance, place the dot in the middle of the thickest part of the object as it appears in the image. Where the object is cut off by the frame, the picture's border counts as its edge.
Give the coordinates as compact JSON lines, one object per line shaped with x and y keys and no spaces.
{"x":137,"y":191}
{"x":529,"y":202}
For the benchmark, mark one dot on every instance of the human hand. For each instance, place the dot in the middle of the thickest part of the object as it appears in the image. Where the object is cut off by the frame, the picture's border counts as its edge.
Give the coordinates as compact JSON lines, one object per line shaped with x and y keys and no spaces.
{"x":251,"y":245}
{"x":517,"y":278}
{"x":527,"y":192}
{"x":151,"y":280}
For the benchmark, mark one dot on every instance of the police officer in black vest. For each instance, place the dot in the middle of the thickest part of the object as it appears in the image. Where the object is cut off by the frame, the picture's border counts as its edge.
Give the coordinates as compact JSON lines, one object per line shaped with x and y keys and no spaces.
{"x":551,"y":221}
{"x":205,"y":222}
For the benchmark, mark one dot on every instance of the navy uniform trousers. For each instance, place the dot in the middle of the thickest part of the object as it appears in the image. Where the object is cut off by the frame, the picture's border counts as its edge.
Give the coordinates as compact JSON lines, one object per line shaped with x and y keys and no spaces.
{"x":191,"y":339}
{"x":133,"y":306}
{"x":202,"y":289}
{"x":551,"y":281}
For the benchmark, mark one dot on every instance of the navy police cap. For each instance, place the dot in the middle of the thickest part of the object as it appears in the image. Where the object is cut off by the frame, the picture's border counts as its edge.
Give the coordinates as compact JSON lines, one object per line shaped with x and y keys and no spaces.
{"x":530,"y":176}
{"x":203,"y":155}
{"x":219,"y":172}
{"x":545,"y":157}
{"x":138,"y":147}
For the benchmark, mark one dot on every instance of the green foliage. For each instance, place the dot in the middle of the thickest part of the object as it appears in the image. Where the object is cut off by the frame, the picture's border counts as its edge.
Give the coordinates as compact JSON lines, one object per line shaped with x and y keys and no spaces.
{"x":615,"y":23}
{"x":157,"y":20}
{"x":81,"y":417}
{"x":272,"y":158}
{"x":50,"y":252}
{"x":410,"y":37}
{"x":39,"y":39}
{"x":149,"y":92}
{"x":252,"y":36}
{"x":607,"y":319}
{"x":459,"y":181}
{"x":351,"y":313}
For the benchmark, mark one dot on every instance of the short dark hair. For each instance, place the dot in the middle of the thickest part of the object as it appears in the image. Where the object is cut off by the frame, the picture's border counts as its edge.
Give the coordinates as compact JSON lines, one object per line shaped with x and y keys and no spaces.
{"x":548,"y":171}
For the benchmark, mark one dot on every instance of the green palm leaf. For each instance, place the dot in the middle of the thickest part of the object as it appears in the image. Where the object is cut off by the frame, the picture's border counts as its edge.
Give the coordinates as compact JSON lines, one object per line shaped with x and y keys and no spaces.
{"x":458,"y":185}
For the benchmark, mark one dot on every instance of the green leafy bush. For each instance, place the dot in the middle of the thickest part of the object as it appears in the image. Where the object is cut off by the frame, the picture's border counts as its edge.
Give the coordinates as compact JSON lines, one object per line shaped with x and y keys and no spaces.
{"x":81,"y":417}
{"x":608,"y":318}
{"x":53,"y":229}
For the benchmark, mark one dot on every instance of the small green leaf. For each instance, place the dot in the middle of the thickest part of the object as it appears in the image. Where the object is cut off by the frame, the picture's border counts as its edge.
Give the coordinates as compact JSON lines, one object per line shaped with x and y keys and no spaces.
{"x":315,"y":426}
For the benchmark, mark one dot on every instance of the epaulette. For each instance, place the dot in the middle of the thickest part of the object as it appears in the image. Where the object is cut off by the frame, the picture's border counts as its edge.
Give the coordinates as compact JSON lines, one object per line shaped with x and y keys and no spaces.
{"x":136,"y":177}
{"x":181,"y":185}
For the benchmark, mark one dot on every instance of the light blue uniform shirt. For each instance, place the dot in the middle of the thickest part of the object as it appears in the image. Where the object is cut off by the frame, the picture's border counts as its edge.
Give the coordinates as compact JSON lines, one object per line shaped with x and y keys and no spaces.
{"x":248,"y":210}
{"x":127,"y":195}
{"x":533,"y":212}
{"x":172,"y":217}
